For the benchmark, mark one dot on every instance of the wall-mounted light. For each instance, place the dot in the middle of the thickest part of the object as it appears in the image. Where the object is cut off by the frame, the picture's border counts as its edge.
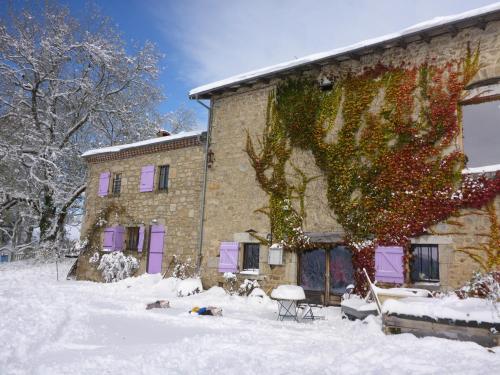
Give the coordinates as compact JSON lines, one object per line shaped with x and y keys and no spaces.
{"x":269,"y":238}
{"x":154,"y":221}
{"x":210,"y":158}
{"x":325,"y":84}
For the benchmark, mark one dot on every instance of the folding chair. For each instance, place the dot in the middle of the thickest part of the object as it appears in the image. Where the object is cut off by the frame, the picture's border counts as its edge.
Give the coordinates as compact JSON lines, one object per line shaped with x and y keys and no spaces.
{"x":308,"y":313}
{"x":287,"y":309}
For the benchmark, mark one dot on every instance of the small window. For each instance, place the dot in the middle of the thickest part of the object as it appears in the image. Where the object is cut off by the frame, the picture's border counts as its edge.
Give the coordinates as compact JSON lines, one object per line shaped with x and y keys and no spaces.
{"x":117,"y":183}
{"x":425,"y":263}
{"x":163,"y":180}
{"x":251,"y":257}
{"x":132,"y":238}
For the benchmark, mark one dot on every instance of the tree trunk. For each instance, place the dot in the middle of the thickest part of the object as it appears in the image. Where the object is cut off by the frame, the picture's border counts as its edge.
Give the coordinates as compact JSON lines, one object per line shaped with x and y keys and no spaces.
{"x":47,"y":214}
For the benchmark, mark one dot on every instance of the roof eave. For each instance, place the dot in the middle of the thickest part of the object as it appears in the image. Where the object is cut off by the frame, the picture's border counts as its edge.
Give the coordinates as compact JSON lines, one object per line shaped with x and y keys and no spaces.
{"x":400,"y":41}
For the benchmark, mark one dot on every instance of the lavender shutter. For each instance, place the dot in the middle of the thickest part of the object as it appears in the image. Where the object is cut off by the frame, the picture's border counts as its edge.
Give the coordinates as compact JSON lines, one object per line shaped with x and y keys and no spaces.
{"x":108,"y":243}
{"x":104,"y":183}
{"x":147,"y":178}
{"x":156,"y":248}
{"x":140,"y":242}
{"x":389,"y":264}
{"x":228,"y":261}
{"x":119,"y":238}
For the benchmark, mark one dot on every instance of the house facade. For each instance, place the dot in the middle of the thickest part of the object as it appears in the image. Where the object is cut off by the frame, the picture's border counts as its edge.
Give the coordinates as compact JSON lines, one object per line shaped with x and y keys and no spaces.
{"x":144,"y":199}
{"x":275,"y":177}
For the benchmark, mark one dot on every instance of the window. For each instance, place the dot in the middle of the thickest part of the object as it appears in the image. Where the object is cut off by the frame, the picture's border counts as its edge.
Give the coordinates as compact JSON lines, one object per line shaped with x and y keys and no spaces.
{"x":251,"y":257}
{"x":481,"y":129}
{"x":163,"y":181}
{"x":425,"y":263}
{"x":117,"y":183}
{"x":132,"y":238}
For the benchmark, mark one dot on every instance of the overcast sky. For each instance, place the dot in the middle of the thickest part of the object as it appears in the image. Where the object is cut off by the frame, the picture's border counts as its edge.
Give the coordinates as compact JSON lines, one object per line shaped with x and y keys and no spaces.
{"x":223,"y":38}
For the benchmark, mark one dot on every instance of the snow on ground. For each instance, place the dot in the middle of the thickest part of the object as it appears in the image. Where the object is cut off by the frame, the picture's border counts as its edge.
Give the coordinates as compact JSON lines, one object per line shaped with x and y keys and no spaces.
{"x":74,"y":327}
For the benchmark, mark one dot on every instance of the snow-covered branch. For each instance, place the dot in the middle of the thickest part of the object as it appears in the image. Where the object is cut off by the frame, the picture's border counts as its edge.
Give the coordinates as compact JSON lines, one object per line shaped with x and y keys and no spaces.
{"x":65,"y":88}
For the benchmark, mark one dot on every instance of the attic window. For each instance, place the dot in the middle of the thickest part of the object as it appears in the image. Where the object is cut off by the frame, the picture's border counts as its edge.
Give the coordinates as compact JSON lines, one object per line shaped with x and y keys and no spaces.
{"x":481,"y":123}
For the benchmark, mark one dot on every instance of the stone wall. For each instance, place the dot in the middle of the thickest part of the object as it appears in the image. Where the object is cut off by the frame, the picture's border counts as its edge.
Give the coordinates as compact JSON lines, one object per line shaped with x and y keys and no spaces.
{"x":178,"y":209}
{"x":233,"y":195}
{"x":469,"y":230}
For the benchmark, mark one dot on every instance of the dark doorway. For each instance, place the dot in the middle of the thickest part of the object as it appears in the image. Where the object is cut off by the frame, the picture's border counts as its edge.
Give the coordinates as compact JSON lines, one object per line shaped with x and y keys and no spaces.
{"x":312,"y":267}
{"x":325,"y":274}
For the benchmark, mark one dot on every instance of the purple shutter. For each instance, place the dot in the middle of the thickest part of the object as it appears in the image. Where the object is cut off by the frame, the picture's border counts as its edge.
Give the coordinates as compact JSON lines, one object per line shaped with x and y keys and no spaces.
{"x":156,"y":248}
{"x":389,"y":264}
{"x":140,"y":242}
{"x":119,"y":238}
{"x":147,"y":178}
{"x":104,"y":183}
{"x":108,"y":243}
{"x":228,"y":261}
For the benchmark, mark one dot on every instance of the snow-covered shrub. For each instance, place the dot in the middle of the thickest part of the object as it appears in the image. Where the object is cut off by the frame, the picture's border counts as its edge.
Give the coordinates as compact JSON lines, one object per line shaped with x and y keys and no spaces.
{"x":257,"y":292}
{"x":482,"y":285}
{"x":230,"y":282}
{"x":247,"y":286}
{"x":183,"y":269}
{"x":188,"y":287}
{"x":116,"y":266}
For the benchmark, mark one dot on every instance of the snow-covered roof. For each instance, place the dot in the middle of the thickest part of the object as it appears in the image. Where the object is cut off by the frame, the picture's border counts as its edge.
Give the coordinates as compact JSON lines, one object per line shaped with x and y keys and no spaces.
{"x":147,"y":142}
{"x":427,"y":29}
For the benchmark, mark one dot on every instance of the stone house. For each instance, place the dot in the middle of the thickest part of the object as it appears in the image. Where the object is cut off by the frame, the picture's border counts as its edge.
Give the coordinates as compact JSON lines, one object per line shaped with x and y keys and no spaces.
{"x":238,"y":228}
{"x":144,"y":199}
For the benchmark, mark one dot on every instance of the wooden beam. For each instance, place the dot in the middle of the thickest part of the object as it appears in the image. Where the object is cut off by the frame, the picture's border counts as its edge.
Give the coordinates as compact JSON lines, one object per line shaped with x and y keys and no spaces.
{"x":453,"y":30}
{"x":326,"y":62}
{"x":379,"y":49}
{"x":402,"y":43}
{"x":482,"y":23}
{"x":425,"y":37}
{"x":354,"y":56}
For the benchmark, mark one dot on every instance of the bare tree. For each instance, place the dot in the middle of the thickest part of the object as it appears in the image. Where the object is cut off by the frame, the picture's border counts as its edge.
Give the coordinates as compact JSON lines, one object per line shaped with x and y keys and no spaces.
{"x":182,"y":119}
{"x":65,"y":88}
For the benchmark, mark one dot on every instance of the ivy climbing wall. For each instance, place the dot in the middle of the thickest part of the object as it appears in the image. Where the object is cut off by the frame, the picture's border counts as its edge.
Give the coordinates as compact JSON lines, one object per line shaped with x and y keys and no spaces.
{"x":377,"y":157}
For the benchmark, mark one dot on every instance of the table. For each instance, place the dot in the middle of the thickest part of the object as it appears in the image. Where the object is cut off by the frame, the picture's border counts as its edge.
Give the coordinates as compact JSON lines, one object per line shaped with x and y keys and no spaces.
{"x":288,"y":297}
{"x":287,"y":308}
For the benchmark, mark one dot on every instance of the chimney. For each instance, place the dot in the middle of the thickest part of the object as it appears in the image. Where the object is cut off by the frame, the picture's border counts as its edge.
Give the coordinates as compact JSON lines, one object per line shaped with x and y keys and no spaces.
{"x":162,"y":133}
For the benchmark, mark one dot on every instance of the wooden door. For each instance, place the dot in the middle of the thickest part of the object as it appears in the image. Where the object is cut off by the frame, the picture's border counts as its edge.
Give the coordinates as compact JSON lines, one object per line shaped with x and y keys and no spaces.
{"x":155,"y":257}
{"x":325,"y":274}
{"x":312,"y":270}
{"x":341,"y":270}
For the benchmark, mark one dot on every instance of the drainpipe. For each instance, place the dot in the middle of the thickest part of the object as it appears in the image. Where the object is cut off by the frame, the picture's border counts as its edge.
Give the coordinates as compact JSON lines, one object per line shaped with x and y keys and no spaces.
{"x":204,"y":189}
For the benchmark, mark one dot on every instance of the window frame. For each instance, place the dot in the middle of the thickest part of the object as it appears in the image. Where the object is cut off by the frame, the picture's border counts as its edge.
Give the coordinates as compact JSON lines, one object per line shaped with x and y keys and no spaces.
{"x":116,"y":177}
{"x":414,"y":256}
{"x":245,"y":266}
{"x":481,"y":92}
{"x":163,"y":177}
{"x":133,"y":234}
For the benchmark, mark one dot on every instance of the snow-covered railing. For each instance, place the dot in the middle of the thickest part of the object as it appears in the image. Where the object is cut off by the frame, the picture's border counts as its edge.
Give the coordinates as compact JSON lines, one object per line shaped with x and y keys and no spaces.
{"x":29,"y":254}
